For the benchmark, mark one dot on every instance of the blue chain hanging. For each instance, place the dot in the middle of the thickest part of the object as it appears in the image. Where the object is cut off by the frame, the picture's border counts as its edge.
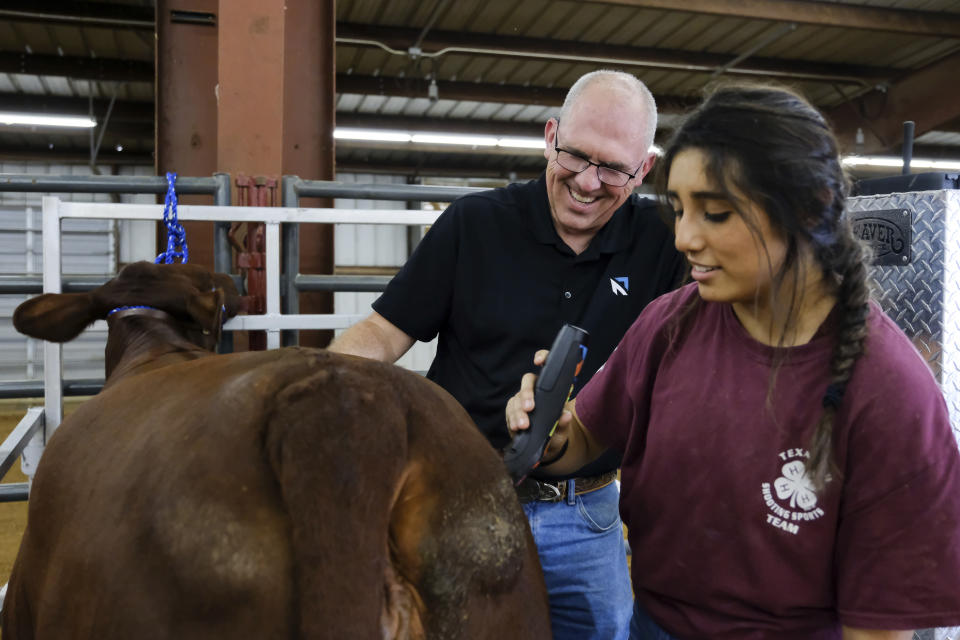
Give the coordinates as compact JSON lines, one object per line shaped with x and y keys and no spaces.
{"x":176,"y":236}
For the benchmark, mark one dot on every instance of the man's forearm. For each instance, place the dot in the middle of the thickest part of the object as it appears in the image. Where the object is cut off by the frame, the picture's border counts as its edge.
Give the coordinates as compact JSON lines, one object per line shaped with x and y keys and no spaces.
{"x":374,"y":338}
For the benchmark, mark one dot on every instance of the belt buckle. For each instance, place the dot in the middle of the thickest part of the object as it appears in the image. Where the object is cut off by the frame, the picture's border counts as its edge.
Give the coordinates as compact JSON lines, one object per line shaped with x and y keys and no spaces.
{"x":550,"y":493}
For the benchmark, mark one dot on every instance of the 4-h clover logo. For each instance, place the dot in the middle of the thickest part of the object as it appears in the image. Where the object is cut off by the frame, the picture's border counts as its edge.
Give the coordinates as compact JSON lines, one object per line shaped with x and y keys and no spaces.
{"x":795,"y":485}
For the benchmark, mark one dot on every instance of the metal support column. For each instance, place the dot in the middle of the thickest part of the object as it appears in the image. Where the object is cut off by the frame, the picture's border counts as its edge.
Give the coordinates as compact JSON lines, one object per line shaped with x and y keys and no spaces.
{"x":187,"y":105}
{"x":290,"y":258}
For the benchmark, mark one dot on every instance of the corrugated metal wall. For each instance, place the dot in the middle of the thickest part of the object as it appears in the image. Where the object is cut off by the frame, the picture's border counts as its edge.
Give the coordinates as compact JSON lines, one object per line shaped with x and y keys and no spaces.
{"x":97,"y":247}
{"x":374,"y":245}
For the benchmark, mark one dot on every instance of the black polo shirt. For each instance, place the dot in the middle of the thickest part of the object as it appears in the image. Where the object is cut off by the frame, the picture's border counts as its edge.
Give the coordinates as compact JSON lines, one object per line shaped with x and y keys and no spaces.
{"x":496,"y":282}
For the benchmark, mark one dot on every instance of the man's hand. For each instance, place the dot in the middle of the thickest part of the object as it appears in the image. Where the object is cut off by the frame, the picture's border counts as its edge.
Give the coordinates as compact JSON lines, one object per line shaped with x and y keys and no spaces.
{"x":569,"y":434}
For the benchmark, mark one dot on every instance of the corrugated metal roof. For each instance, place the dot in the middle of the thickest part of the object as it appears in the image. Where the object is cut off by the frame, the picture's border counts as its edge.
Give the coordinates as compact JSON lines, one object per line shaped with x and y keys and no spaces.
{"x":501,"y":61}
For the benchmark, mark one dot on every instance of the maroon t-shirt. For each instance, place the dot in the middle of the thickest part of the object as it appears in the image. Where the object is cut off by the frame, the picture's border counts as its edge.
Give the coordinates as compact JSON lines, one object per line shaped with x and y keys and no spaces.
{"x":729,"y":540}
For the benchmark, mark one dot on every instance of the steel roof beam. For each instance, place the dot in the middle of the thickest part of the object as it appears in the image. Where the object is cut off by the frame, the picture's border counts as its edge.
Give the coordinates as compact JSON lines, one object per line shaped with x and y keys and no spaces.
{"x":398,"y":40}
{"x":77,"y":67}
{"x":123,"y":110}
{"x":445,"y":125}
{"x":35,"y":153}
{"x":80,"y":14}
{"x":930,"y":23}
{"x":825,"y":14}
{"x":476,"y":91}
{"x":127,"y":110}
{"x":464,"y":169}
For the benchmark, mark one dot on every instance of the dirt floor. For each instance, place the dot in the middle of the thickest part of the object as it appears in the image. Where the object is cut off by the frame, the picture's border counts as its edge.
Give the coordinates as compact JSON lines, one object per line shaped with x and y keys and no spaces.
{"x":13,"y":515}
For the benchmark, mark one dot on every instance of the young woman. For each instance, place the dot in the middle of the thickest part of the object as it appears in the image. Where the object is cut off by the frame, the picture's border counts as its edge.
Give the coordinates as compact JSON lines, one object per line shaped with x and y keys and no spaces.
{"x":789,"y":469}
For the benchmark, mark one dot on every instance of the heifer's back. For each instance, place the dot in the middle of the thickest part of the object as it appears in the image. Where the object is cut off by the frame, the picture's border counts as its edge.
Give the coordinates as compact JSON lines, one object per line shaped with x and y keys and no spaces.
{"x":284,"y":494}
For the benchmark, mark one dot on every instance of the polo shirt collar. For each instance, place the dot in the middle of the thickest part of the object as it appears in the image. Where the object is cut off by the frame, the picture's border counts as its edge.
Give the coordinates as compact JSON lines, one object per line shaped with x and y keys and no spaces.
{"x":613,"y":237}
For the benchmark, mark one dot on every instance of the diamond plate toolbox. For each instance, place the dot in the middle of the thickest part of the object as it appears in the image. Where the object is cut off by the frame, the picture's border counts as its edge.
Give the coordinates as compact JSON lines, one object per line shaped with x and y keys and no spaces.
{"x":916,"y":279}
{"x":916,"y":274}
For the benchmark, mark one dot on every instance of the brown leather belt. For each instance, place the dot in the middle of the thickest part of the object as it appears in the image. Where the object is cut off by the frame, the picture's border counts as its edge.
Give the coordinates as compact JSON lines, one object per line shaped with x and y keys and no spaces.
{"x":531,"y":489}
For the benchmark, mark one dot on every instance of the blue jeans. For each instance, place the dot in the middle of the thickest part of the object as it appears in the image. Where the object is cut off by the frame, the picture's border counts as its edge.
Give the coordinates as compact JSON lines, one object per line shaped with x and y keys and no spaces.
{"x":642,"y":627}
{"x":580,"y":542}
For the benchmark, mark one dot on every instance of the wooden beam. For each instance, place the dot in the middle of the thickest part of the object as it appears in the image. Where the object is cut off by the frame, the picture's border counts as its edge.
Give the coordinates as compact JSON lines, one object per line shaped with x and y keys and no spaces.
{"x":929,"y":97}
{"x":564,"y":51}
{"x":952,"y":126}
{"x":941,"y":24}
{"x":936,"y":152}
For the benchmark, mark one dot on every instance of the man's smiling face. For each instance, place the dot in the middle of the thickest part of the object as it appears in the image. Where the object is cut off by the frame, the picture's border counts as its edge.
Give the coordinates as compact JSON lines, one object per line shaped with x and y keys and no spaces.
{"x":606,"y":129}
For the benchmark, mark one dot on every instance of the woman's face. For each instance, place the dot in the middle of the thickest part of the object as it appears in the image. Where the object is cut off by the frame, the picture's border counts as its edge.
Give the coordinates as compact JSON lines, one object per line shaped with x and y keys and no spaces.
{"x":729,"y":261}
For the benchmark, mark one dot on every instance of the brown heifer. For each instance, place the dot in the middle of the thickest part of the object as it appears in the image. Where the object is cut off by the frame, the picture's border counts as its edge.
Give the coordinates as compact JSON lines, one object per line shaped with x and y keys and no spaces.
{"x":293,"y":493}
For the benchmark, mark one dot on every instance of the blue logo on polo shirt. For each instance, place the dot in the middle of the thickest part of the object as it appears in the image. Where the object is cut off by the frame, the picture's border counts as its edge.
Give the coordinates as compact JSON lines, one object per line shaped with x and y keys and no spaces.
{"x":620,"y":286}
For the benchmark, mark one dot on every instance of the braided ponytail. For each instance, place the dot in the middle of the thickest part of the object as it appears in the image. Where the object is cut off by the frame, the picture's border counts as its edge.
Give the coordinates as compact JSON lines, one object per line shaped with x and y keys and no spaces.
{"x":853,"y":296}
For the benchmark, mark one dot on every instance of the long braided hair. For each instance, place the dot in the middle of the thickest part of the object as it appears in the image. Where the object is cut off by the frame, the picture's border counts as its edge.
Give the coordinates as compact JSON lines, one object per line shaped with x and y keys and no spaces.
{"x":769,"y":144}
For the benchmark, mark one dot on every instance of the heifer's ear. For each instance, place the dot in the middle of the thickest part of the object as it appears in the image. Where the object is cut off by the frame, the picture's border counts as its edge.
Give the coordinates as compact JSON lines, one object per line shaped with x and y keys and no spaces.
{"x":232,"y":301}
{"x":58,"y":317}
{"x":206,"y":308}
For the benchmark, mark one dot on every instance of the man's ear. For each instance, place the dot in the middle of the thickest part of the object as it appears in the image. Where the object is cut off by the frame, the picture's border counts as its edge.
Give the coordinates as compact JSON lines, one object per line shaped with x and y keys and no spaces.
{"x":57,"y":317}
{"x":646,"y":167}
{"x":549,"y":136}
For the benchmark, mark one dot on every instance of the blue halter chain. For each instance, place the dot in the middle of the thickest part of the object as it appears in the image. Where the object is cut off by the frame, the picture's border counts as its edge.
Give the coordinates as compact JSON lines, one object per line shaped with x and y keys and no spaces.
{"x":134,"y":306}
{"x":138,"y":310}
{"x":144,"y":310}
{"x":176,"y":236}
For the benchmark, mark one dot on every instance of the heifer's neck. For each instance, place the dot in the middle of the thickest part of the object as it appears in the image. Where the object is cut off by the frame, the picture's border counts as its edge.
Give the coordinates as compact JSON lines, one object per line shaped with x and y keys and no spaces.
{"x":140,"y":342}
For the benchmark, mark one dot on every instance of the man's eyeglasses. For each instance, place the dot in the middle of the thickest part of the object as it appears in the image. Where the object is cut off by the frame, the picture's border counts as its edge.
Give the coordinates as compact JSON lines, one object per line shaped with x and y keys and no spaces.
{"x":578,"y":164}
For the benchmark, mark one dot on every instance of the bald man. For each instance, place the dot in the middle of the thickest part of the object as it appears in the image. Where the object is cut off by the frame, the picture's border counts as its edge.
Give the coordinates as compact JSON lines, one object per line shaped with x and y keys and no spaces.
{"x":498,"y":275}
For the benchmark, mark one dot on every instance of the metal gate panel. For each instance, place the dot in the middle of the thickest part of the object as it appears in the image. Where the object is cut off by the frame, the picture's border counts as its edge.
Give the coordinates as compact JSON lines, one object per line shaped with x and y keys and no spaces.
{"x":374,"y":245}
{"x":90,"y":247}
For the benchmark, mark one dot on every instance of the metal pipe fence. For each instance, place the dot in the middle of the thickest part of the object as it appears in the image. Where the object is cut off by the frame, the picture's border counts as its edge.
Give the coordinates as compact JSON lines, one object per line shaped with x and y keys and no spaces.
{"x":272,"y":321}
{"x":288,"y":218}
{"x":293,"y":188}
{"x":218,"y":185}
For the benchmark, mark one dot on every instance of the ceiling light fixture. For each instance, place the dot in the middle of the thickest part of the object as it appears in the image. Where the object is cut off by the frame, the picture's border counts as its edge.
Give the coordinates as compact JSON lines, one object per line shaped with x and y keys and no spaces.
{"x":521,"y":143}
{"x":530,"y":142}
{"x":38,"y":120}
{"x":454,"y":138}
{"x":508,"y":142}
{"x":341,"y":133}
{"x":895,"y":162}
